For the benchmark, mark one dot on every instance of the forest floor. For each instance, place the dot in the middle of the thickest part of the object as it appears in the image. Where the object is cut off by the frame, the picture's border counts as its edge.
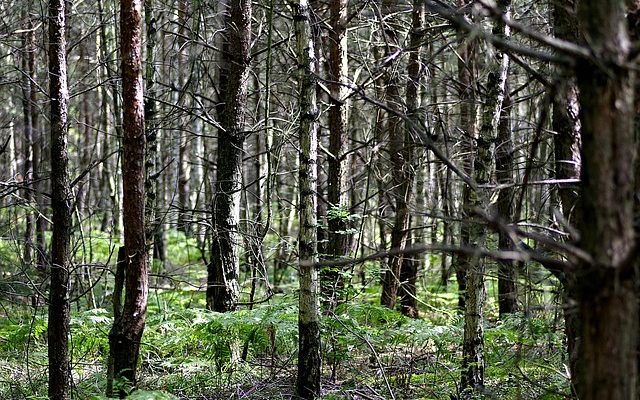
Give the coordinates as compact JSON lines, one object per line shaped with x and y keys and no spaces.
{"x":369,"y":352}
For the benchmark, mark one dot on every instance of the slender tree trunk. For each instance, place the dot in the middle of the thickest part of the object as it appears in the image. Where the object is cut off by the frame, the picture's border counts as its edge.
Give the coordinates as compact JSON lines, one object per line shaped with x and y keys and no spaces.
{"x":61,"y":198}
{"x":409,"y":267}
{"x":184,"y":144}
{"x":337,"y":193}
{"x":497,"y":110}
{"x":467,"y":94}
{"x":37,"y":141}
{"x":109,"y":175}
{"x":309,"y":360}
{"x":469,"y":269}
{"x":566,"y":143}
{"x":223,"y":290}
{"x":126,"y":333}
{"x":151,"y":131}
{"x":407,"y":291}
{"x":507,"y":270}
{"x":28,"y":52}
{"x":401,"y":154}
{"x":606,"y":287}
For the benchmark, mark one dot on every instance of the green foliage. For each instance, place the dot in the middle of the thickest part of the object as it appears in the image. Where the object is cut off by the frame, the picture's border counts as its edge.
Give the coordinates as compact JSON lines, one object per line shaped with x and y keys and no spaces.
{"x":150,"y":395}
{"x":182,"y":250}
{"x":97,"y":247}
{"x":190,"y":352}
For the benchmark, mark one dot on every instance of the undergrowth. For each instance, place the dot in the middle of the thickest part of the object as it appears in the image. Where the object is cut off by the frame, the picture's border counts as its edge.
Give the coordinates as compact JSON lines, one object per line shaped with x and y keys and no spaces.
{"x":369,"y":352}
{"x":194,"y":353}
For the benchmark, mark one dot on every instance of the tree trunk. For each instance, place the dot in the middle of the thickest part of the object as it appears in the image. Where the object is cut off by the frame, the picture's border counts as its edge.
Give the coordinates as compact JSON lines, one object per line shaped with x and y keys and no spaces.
{"x":309,"y":361}
{"x":223,"y":290}
{"x":28,"y":54}
{"x":184,"y":144}
{"x":467,"y":72}
{"x":497,"y":108}
{"x":151,"y":131}
{"x":606,"y":288}
{"x":401,"y":155}
{"x":337,"y":177}
{"x":566,"y":143}
{"x":126,"y":333}
{"x":108,"y":172}
{"x":480,"y":164}
{"x":507,"y":270}
{"x":409,"y":268}
{"x":407,"y":291}
{"x":61,"y":198}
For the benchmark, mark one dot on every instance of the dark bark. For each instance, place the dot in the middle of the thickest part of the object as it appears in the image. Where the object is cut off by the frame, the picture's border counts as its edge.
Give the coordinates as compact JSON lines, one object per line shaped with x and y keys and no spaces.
{"x":401,"y":155}
{"x":184,"y":144}
{"x":27,"y":56}
{"x":467,"y":95}
{"x":407,"y":290}
{"x":151,"y":131}
{"x":504,"y":161}
{"x":223,"y":289}
{"x":566,"y":143}
{"x":61,"y":198}
{"x":507,"y":270}
{"x":337,"y":194}
{"x":127,"y":330}
{"x":309,"y":359}
{"x":565,"y":121}
{"x":109,"y":169}
{"x":409,"y":267}
{"x":474,"y":230}
{"x":606,"y":286}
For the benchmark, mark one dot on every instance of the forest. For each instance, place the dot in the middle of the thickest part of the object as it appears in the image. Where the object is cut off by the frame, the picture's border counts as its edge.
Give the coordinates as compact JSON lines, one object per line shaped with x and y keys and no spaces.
{"x":319,"y":199}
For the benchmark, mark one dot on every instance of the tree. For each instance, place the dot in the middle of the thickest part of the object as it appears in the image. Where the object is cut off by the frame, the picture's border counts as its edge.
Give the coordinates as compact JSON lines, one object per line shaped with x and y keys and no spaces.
{"x":606,"y":281}
{"x":566,"y":144}
{"x":470,"y":269}
{"x":338,"y":159}
{"x":128,"y":326}
{"x":409,"y":268}
{"x":223,"y":290}
{"x":498,"y":126}
{"x":28,"y":57}
{"x":401,"y":154}
{"x":61,"y":198}
{"x":151,"y":131}
{"x":309,"y":360}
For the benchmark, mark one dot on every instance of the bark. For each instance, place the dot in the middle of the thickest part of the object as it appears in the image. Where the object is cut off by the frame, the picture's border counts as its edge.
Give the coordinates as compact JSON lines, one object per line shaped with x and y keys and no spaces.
{"x":507,"y":270}
{"x":223,"y":290}
{"x":401,"y":155}
{"x":566,"y":143}
{"x":606,"y":291}
{"x":467,"y":95}
{"x":108,"y":172}
{"x":184,"y":153}
{"x":474,"y":233}
{"x":38,"y":186}
{"x":337,"y":177}
{"x":497,"y":113}
{"x":28,"y":53}
{"x":565,"y":121}
{"x":309,"y":360}
{"x":151,"y":131}
{"x":127,"y":330}
{"x":409,"y":267}
{"x":407,"y":291}
{"x":61,"y":198}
